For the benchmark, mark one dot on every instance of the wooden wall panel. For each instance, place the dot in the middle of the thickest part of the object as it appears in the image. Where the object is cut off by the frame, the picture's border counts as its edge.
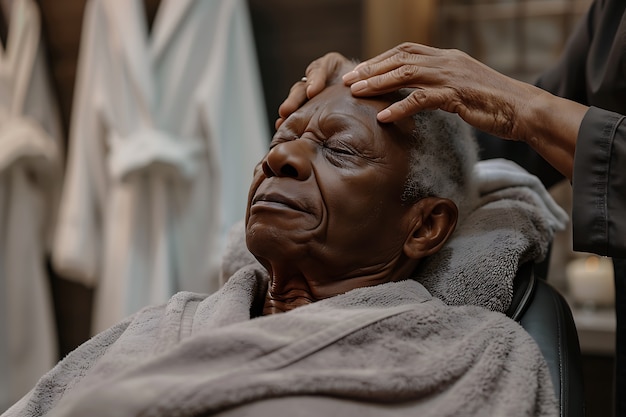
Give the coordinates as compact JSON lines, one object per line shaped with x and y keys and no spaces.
{"x":389,"y":23}
{"x":290,"y":34}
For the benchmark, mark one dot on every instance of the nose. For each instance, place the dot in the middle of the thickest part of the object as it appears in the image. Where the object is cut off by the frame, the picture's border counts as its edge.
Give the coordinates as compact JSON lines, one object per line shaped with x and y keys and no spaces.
{"x":289,"y":159}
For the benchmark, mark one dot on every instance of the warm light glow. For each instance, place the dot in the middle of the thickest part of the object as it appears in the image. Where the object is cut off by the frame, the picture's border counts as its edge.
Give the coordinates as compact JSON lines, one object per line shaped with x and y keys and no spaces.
{"x":592,"y":263}
{"x":590,"y":281}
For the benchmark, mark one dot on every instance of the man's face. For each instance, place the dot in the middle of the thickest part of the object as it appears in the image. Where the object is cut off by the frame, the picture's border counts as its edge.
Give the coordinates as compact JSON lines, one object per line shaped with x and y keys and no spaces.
{"x":326,"y":199}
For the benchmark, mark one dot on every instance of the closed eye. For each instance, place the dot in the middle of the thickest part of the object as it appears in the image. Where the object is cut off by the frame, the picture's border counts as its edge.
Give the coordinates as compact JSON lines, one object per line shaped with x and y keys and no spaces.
{"x":339,"y":154}
{"x":341,"y":151}
{"x":340,"y":147}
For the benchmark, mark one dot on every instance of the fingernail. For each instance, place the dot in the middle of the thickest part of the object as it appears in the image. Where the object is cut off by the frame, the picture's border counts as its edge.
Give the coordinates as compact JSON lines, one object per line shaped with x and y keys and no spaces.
{"x":359,"y":86}
{"x":350,"y":77}
{"x":384,"y":115}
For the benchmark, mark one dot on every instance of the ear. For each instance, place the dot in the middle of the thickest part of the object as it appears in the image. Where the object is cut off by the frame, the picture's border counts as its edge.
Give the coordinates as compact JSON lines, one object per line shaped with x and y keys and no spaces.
{"x":433,"y":221}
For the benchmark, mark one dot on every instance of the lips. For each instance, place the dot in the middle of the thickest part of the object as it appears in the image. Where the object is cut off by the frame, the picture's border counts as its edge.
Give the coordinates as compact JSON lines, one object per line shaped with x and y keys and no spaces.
{"x":278,"y":200}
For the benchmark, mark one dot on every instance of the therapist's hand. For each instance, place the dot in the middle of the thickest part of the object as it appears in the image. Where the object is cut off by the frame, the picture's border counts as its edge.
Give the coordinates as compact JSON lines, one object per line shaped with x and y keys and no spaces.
{"x":453,"y":81}
{"x":449,"y":80}
{"x":445,"y":79}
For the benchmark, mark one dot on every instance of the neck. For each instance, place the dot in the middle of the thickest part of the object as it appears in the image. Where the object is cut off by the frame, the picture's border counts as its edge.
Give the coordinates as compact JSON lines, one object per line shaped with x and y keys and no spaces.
{"x":290,"y":287}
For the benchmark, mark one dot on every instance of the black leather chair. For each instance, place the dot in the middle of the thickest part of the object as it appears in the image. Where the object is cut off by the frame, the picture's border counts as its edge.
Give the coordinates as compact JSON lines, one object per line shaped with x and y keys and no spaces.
{"x":545,"y":314}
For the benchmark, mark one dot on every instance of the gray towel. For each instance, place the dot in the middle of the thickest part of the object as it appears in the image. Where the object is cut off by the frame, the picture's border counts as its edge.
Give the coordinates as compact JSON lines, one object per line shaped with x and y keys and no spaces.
{"x":391,"y":349}
{"x":513,"y":223}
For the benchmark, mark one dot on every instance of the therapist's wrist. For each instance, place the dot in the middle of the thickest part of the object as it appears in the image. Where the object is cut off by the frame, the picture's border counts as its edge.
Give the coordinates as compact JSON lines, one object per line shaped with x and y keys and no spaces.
{"x":553,"y":124}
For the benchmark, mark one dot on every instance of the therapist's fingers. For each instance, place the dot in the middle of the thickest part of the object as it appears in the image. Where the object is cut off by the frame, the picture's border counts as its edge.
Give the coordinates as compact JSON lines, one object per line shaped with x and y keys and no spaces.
{"x":444,"y":79}
{"x":405,"y":71}
{"x":494,"y":117}
{"x":496,"y":113}
{"x":404,"y":48}
{"x":322,"y":71}
{"x":394,"y":78}
{"x":401,"y":55}
{"x":319,"y":73}
{"x":418,"y":100}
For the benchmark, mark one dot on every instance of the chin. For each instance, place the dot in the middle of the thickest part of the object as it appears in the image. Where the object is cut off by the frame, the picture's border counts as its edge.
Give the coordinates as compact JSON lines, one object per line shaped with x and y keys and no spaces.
{"x":277,"y":242}
{"x":263,"y":240}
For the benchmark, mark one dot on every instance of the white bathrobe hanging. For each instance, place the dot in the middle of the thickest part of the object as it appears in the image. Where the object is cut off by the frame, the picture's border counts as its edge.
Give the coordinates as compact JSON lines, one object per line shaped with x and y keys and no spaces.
{"x":166,"y":130}
{"x":30,"y":177}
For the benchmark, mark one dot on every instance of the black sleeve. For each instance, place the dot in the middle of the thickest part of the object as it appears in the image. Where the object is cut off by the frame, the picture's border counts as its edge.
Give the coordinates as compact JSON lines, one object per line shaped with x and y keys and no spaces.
{"x":599,"y":184}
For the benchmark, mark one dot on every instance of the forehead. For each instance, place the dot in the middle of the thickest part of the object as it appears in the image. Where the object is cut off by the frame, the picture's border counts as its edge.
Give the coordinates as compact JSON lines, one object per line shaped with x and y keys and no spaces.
{"x":336,"y":107}
{"x":338,"y":98}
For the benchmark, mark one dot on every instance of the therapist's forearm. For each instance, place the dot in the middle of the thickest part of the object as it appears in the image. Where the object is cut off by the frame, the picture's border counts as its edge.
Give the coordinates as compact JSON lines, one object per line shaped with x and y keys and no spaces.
{"x":552,"y":129}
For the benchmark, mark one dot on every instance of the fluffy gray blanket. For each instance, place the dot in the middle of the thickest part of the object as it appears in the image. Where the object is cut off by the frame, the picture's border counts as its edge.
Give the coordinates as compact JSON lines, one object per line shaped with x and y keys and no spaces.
{"x":387,"y":350}
{"x":392,"y":346}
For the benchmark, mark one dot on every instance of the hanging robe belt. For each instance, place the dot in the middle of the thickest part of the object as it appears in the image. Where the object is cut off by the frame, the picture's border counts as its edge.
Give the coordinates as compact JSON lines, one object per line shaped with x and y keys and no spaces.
{"x":23,"y":141}
{"x":155,"y":151}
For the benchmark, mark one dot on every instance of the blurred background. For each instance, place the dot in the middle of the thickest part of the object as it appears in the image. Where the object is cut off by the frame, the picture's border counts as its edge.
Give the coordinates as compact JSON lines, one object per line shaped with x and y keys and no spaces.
{"x":517,"y":37}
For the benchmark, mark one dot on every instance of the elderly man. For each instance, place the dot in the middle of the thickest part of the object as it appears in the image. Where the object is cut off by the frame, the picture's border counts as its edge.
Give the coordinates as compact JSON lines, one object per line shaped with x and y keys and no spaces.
{"x":341,"y":202}
{"x":341,"y":212}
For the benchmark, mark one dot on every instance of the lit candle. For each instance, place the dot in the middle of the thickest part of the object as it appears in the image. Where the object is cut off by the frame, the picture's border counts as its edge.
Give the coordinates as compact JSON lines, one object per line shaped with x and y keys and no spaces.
{"x":590,"y":281}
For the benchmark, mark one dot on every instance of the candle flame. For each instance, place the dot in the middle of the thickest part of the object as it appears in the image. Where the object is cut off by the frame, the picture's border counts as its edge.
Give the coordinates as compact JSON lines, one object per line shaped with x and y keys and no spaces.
{"x":592,"y":263}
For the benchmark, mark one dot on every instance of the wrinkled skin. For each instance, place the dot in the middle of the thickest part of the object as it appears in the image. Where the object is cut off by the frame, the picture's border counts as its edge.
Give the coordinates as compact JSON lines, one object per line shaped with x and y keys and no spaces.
{"x":453,"y":81}
{"x":325,"y":213}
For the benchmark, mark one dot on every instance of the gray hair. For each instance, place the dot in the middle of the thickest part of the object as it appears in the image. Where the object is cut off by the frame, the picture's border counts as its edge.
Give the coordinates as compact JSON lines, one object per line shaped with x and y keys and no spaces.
{"x":443,"y":152}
